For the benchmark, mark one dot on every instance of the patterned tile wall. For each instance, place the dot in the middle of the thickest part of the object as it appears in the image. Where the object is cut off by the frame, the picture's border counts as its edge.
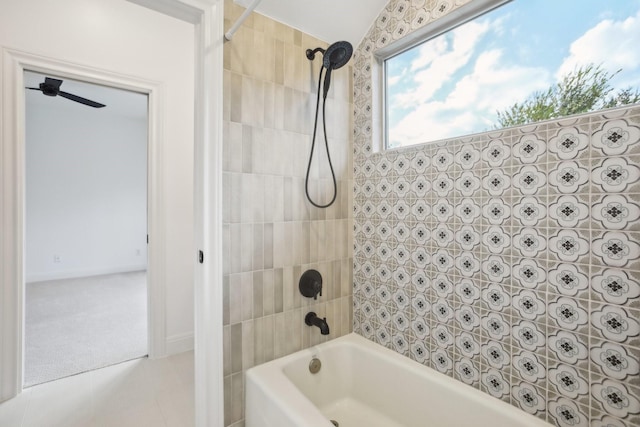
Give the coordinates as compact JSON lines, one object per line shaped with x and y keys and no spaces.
{"x":509,"y":261}
{"x":272,"y":235}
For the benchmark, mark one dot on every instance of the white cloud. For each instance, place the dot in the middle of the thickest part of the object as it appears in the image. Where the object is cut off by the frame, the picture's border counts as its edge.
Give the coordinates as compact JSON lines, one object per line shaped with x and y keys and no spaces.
{"x":614,"y":44}
{"x":439,"y":59}
{"x":431,"y":121}
{"x":429,"y":52}
{"x":471,"y":106}
{"x":493,"y":85}
{"x":396,"y":79}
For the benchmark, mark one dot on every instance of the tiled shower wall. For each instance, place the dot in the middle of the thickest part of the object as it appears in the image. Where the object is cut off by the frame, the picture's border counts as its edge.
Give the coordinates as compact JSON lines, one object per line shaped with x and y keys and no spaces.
{"x":272,"y":234}
{"x":509,"y":261}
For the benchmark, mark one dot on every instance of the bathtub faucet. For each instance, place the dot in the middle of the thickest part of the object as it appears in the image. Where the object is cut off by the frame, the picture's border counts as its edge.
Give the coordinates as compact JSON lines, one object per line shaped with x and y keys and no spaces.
{"x":311,"y":319}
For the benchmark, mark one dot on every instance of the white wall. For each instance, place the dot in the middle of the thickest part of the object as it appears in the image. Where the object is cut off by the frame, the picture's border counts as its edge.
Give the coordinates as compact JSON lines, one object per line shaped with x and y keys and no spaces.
{"x":86,"y":187}
{"x":124,"y":38}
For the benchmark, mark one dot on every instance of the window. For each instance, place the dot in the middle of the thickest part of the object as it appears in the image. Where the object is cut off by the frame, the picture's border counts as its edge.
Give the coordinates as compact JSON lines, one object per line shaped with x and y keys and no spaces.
{"x":522,"y":62}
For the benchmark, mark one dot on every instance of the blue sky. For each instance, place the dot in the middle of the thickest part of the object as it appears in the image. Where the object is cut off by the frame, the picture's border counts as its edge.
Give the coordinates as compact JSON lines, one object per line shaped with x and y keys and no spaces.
{"x":454,"y":84}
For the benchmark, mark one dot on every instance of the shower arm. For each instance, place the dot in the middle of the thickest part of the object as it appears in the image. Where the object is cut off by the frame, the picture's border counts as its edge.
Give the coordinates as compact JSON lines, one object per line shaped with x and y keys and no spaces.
{"x":229,"y":34}
{"x":311,"y":54}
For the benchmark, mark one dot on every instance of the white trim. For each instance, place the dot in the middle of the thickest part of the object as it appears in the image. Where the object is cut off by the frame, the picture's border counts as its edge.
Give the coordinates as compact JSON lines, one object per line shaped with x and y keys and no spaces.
{"x":185,"y":10}
{"x":12,"y":220}
{"x":209,"y":379}
{"x":208,"y":16}
{"x":179,"y":344}
{"x":378,"y":105}
{"x":209,"y":390}
{"x":12,"y":203}
{"x":156,"y":228}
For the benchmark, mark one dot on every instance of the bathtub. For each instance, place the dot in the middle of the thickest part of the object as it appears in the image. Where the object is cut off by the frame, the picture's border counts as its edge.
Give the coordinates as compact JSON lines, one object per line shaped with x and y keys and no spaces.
{"x":363,"y":384}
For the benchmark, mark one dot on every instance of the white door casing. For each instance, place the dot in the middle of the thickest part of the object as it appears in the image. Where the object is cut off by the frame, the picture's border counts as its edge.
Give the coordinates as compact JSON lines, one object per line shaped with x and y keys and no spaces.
{"x":207,"y":17}
{"x":13,"y":202}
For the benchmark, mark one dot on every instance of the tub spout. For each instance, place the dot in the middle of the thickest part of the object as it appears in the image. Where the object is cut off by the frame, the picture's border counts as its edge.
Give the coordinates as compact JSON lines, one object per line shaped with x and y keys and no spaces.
{"x":311,"y":319}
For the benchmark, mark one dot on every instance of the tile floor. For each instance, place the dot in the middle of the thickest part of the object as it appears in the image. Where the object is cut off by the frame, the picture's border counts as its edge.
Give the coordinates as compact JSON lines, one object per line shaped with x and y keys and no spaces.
{"x":138,"y":393}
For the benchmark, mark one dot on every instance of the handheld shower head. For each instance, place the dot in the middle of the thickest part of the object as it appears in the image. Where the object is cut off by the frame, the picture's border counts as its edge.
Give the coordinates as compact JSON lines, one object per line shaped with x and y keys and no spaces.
{"x":334,"y":57}
{"x":337,"y":55}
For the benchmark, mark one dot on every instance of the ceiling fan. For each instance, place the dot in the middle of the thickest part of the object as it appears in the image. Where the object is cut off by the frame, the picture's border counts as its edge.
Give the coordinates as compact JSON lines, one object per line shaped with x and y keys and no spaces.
{"x":51,"y":87}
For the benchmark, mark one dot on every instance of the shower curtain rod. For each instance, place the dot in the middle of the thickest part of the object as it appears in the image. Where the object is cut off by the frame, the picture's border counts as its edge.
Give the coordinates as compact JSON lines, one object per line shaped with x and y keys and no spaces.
{"x":229,"y":34}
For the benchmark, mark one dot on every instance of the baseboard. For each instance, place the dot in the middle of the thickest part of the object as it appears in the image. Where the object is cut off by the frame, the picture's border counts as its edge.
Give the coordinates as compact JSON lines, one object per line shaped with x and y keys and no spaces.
{"x":179,"y":343}
{"x":57,"y":275}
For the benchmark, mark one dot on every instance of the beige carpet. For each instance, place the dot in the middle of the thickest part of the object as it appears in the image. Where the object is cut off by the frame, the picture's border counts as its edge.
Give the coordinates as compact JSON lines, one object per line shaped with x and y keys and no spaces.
{"x":76,"y":325}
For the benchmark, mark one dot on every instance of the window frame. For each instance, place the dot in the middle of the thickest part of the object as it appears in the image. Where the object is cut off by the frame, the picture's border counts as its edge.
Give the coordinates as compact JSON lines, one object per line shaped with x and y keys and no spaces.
{"x":468,"y":12}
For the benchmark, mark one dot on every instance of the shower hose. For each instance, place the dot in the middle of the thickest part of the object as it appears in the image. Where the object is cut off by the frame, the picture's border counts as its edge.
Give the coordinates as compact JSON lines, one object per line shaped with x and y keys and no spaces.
{"x":326,"y":144}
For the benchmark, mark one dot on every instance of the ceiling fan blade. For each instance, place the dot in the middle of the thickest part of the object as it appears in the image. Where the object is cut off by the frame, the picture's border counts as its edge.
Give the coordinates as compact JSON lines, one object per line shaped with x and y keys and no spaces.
{"x":54,"y":83}
{"x":81,"y":100}
{"x":34,"y":88}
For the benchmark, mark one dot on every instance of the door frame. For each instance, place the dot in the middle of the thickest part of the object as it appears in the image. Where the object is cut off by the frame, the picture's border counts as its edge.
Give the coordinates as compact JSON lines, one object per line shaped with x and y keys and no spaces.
{"x":12,"y":264}
{"x":207,"y":16}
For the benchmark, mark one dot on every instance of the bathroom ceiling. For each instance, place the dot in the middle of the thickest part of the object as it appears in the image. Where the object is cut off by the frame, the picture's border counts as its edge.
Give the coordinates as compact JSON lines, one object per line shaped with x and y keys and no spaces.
{"x":328,"y":20}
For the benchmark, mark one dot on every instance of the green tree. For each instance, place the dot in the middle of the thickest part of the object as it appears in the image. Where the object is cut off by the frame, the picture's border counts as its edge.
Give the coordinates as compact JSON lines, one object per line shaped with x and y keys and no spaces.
{"x":585,"y":89}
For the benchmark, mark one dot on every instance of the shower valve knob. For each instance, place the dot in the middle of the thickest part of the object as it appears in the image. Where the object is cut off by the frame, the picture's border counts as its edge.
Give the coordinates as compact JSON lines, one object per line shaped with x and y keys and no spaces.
{"x":310,"y":284}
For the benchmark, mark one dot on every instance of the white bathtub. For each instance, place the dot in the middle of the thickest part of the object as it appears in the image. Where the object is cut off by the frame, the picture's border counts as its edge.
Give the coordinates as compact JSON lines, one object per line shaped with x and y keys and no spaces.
{"x":362,"y":384}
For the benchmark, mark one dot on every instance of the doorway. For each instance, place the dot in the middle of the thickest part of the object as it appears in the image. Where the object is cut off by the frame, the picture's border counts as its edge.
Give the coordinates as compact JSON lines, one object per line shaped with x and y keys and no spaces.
{"x":74,"y":41}
{"x":85,"y":226}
